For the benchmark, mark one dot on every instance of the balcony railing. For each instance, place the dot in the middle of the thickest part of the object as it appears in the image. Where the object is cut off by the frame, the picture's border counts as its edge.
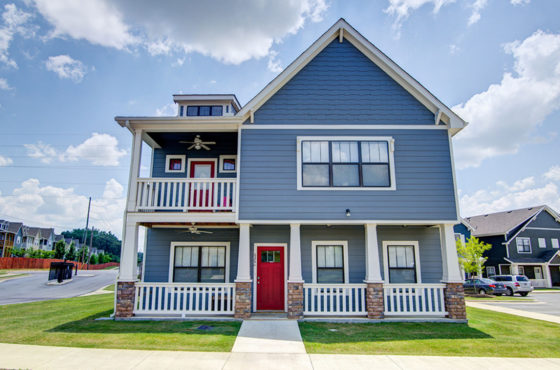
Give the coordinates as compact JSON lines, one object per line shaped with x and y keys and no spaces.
{"x":414,"y":300}
{"x":184,"y":195}
{"x":334,"y":299}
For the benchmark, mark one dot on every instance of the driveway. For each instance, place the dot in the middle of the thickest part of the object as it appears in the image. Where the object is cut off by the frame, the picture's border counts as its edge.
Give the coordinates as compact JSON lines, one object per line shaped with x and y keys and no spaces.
{"x":34,"y":287}
{"x":546,"y":303}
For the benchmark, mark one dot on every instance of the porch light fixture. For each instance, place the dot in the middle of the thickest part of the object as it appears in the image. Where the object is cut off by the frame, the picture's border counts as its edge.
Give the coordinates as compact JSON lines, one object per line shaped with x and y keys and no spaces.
{"x":348,"y":214}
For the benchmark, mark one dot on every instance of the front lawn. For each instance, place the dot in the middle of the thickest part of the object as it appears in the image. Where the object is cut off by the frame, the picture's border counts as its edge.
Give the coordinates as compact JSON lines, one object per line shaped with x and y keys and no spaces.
{"x":70,"y":322}
{"x":488,"y":333}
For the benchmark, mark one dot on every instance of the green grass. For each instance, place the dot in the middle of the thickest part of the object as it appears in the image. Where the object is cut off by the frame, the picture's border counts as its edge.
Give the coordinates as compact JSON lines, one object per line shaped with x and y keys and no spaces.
{"x":70,"y":322}
{"x":490,"y":298}
{"x":488,"y":333}
{"x":110,"y":288}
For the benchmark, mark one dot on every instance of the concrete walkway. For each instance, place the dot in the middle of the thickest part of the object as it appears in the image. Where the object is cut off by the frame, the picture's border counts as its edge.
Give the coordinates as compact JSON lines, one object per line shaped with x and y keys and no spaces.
{"x":269,"y":336}
{"x":43,"y":357}
{"x":513,"y":311}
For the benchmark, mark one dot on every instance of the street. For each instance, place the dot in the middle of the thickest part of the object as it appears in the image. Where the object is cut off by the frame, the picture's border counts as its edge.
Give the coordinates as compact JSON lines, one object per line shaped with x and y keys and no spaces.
{"x":34,"y":287}
{"x":547,"y":303}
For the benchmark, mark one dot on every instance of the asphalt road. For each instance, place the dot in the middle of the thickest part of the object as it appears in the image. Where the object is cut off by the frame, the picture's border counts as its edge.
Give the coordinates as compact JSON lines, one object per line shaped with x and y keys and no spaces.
{"x":548,"y":303}
{"x":34,"y":287}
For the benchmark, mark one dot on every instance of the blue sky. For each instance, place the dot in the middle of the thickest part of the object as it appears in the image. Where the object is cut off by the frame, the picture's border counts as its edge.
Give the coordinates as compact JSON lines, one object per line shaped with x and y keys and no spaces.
{"x":67,"y":68}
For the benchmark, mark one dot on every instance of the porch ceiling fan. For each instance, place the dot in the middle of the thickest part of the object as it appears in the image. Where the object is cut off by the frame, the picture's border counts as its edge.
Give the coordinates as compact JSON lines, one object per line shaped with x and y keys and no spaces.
{"x":194,"y":230}
{"x":198,"y":143}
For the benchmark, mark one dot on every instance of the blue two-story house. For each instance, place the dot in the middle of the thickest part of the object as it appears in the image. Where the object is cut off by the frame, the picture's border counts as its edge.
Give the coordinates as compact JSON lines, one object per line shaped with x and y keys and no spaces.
{"x":330,"y":193}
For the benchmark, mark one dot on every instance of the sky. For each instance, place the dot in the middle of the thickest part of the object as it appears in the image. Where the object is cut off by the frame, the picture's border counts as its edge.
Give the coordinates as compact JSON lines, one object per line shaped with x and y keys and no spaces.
{"x":67,"y":68}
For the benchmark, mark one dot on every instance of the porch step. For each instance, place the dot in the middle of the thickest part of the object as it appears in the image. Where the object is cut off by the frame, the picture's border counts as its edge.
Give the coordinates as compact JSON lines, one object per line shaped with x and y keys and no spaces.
{"x":269,"y":316}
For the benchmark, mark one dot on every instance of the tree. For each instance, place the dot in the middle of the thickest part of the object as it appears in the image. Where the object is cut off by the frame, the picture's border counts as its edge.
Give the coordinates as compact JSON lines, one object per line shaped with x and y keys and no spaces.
{"x":93,"y":260}
{"x":71,"y":254}
{"x":102,"y":240}
{"x":471,"y":255}
{"x":59,"y":249}
{"x":83,"y":254}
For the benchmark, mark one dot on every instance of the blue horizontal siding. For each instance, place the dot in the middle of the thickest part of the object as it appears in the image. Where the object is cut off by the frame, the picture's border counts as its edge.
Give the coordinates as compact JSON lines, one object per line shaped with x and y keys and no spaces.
{"x":268,"y":181}
{"x":342,"y":86}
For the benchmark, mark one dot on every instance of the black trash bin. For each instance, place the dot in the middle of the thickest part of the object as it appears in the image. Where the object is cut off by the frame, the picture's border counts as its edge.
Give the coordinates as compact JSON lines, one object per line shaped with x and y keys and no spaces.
{"x":60,"y":271}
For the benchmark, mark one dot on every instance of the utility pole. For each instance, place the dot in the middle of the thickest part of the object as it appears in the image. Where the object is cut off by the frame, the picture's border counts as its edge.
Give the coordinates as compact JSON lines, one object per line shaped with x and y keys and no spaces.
{"x":86,"y":231}
{"x":90,"y":246}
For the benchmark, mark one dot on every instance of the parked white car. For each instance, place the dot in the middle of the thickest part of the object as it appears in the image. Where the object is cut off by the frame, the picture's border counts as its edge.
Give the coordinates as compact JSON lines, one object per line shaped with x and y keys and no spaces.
{"x":515,"y":284}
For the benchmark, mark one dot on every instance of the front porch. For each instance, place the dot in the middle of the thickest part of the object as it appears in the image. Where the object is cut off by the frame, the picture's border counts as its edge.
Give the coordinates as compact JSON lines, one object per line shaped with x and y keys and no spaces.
{"x":334,"y":271}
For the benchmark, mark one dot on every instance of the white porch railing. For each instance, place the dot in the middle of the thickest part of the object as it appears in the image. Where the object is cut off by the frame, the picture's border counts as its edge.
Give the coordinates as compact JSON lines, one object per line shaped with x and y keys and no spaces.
{"x":184,"y":298}
{"x":181,"y":194}
{"x":334,"y":300}
{"x":414,"y":299}
{"x":539,"y":283}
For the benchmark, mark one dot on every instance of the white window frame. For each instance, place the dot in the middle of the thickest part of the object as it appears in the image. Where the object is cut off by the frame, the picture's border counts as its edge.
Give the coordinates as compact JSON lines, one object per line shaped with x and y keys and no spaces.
{"x":415,"y":244}
{"x":197,"y":244}
{"x":554,"y":242}
{"x":343,"y":243}
{"x":190,"y":160}
{"x":227,"y":156}
{"x":490,"y":268}
{"x":542,"y":243}
{"x":168,"y":159}
{"x":391,"y":145}
{"x":461,"y":237}
{"x":517,"y":245}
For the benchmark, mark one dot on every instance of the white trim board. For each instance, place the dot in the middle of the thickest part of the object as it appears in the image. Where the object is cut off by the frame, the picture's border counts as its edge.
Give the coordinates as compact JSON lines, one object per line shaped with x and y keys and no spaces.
{"x":391,"y":147}
{"x":340,"y":127}
{"x":197,"y":244}
{"x":413,"y":243}
{"x":168,"y":159}
{"x":255,"y":261}
{"x":221,"y":163}
{"x":316,"y":243}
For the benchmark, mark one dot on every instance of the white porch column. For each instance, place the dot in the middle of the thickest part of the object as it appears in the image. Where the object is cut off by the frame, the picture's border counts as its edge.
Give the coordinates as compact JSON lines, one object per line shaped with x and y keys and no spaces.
{"x":514,"y":269}
{"x":373,"y":268}
{"x":451,"y":270}
{"x":294,"y":275}
{"x":546,"y":275}
{"x":129,"y":255}
{"x":244,"y":256}
{"x":134,"y":170}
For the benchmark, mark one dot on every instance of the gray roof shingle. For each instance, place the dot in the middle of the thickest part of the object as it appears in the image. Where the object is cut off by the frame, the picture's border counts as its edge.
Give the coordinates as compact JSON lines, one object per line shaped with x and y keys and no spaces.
{"x":501,"y":222}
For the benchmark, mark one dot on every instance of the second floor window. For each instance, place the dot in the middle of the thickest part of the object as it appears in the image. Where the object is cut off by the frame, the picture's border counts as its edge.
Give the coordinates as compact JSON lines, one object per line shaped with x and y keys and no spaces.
{"x":523,"y":245}
{"x":204,"y":110}
{"x":346,"y":163}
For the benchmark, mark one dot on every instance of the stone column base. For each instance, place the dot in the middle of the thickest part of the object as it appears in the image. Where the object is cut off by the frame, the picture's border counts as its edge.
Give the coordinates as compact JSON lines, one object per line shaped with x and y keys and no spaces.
{"x":125,"y":299}
{"x":295,"y":300}
{"x":455,"y":301}
{"x":243,"y":298}
{"x":374,"y":301}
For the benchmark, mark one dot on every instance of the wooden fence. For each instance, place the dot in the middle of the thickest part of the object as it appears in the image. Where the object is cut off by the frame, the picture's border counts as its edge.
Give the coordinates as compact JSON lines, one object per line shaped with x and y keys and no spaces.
{"x":45,"y":263}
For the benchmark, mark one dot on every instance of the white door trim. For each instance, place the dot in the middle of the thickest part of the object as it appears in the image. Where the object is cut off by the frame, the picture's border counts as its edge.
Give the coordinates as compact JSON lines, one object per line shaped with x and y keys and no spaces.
{"x":255,"y":261}
{"x":189,"y":160}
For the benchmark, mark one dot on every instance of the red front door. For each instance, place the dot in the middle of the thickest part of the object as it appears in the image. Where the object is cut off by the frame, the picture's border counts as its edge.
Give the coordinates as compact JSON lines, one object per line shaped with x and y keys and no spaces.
{"x":270,"y":278}
{"x":202,"y":192}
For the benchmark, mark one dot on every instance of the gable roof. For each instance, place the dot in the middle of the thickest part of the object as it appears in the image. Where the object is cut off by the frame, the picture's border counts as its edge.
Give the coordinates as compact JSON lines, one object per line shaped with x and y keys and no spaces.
{"x":13,"y":227}
{"x":341,"y":29}
{"x":500,"y":223}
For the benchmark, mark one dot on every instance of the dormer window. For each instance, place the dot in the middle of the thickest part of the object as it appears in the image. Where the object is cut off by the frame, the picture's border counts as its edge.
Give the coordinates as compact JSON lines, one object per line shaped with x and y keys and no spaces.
{"x":204,"y":110}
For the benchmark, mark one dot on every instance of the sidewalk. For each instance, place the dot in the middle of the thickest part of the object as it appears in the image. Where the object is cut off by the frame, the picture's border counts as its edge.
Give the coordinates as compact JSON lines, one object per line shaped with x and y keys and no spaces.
{"x":43,"y":357}
{"x":513,"y":311}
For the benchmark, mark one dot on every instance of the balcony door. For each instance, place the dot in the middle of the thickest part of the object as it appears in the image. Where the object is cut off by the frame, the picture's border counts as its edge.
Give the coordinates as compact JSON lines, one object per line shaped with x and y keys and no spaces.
{"x":200,"y":191}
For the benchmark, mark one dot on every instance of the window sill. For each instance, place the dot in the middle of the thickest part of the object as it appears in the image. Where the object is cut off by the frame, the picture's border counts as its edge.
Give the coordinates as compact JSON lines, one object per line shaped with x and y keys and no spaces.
{"x":360,"y":188}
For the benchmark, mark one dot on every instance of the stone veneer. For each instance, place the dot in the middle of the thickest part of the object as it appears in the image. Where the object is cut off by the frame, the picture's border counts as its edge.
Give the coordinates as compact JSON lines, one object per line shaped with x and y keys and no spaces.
{"x":455,"y":301}
{"x":243,"y":297}
{"x":295,"y":300}
{"x":374,"y":300}
{"x":125,"y":299}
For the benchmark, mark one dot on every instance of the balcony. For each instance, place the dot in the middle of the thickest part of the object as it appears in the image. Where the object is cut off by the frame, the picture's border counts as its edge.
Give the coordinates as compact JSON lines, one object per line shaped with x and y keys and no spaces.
{"x":186,"y":195}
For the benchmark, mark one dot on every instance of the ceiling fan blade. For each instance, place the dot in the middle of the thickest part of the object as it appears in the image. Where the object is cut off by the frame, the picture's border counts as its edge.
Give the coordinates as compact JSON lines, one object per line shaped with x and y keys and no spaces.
{"x":192,"y":146}
{"x":209,"y":142}
{"x":185,"y":142}
{"x":205,"y":232}
{"x":205,"y":147}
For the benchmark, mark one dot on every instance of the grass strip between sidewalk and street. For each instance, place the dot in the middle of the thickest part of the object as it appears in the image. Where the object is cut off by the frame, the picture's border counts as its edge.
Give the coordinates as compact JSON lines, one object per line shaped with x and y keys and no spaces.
{"x":71,"y":322}
{"x":488,"y":334}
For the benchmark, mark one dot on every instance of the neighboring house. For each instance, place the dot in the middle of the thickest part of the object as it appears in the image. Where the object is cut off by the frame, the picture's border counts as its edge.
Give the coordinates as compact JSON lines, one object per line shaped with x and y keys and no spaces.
{"x":331,"y":193}
{"x":46,"y":240}
{"x":524,"y":241}
{"x":31,"y":237}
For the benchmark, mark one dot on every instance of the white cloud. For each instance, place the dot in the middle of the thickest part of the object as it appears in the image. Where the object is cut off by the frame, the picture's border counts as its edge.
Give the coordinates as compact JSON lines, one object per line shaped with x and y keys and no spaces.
{"x":477,"y":7}
{"x":50,"y":206}
{"x":553,"y":173}
{"x":66,"y":67}
{"x":14,"y":22}
{"x":525,"y":192}
{"x":454,"y":49}
{"x":273,"y":63}
{"x":167,"y":110}
{"x":99,"y":150}
{"x":231,"y":31}
{"x":99,"y":22}
{"x":5,"y":161}
{"x":4,"y":85}
{"x":504,"y":117}
{"x":401,"y":9}
{"x":520,"y":2}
